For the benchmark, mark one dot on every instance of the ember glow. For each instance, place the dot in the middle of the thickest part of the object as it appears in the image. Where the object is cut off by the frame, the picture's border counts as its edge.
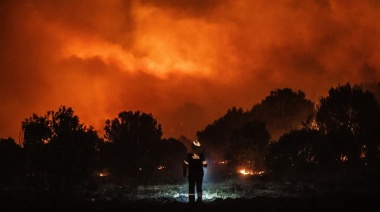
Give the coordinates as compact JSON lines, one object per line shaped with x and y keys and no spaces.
{"x":244,"y":171}
{"x":103,"y":173}
{"x":160,"y":167}
{"x":186,"y":62}
{"x":223,"y":162}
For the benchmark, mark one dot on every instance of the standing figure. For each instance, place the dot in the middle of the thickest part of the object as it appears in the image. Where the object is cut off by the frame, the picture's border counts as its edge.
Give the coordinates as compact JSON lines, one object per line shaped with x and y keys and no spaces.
{"x":193,"y":168}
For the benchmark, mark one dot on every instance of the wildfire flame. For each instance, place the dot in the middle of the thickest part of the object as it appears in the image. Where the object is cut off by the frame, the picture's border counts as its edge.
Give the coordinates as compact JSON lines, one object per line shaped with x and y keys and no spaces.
{"x":246,"y":172}
{"x":161,"y":167}
{"x":223,"y":162}
{"x":103,"y":174}
{"x":250,"y":172}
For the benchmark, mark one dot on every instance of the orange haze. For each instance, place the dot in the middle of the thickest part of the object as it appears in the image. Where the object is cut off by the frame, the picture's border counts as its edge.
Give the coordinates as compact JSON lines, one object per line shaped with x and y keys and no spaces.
{"x":186,"y":62}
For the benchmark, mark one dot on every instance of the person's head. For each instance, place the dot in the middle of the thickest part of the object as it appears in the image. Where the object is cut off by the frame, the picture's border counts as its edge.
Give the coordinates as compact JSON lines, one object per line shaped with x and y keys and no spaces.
{"x":196,"y":146}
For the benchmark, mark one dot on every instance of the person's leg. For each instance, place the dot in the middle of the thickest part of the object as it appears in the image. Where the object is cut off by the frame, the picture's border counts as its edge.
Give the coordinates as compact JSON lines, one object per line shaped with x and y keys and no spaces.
{"x":191,"y":189}
{"x":199,"y":182}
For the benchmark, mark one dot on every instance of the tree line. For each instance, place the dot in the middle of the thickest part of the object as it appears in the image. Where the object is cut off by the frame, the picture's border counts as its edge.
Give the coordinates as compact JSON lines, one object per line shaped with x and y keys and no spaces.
{"x":285,"y":133}
{"x":60,"y":155}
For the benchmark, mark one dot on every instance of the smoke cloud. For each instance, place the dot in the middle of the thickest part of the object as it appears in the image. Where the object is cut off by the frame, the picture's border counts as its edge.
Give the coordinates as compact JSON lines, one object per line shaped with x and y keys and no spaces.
{"x":186,"y":62}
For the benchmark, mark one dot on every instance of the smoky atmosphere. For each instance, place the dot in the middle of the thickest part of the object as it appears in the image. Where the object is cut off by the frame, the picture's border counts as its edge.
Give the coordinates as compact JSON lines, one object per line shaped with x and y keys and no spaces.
{"x":175,"y":58}
{"x":191,"y":105}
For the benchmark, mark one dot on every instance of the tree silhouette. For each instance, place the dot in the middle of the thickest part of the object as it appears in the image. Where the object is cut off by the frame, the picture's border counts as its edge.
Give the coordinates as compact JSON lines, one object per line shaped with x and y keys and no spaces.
{"x":350,"y":117}
{"x":216,"y":137}
{"x":283,"y":111}
{"x":169,"y":154}
{"x":11,"y":162}
{"x":249,"y":145}
{"x":298,"y":150}
{"x":67,"y":149}
{"x":134,"y":136}
{"x":37,"y":133}
{"x":373,"y":88}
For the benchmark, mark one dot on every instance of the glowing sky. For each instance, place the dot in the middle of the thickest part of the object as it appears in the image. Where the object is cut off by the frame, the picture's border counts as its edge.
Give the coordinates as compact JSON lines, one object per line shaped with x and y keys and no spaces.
{"x":186,"y":61}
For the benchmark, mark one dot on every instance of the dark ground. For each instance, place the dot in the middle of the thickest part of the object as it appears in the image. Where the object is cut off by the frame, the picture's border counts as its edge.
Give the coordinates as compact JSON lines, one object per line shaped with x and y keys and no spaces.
{"x":254,"y":194}
{"x":320,"y":202}
{"x":326,"y":203}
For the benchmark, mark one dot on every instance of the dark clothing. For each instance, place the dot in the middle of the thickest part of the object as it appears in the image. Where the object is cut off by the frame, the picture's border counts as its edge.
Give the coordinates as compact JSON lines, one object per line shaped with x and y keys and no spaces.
{"x":193,"y":168}
{"x":195,"y":181}
{"x":194,"y":163}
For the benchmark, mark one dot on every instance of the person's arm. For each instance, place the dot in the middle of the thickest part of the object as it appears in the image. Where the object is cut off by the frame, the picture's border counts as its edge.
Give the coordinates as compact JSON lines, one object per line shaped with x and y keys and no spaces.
{"x":204,"y":162}
{"x":185,"y":166}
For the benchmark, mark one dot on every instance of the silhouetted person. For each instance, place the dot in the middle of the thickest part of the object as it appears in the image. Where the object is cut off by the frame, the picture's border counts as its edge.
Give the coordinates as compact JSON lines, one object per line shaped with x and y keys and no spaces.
{"x":193,"y":168}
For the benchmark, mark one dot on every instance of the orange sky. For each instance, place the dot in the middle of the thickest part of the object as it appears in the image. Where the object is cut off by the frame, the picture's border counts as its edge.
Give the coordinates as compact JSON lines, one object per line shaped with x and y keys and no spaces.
{"x":186,"y":62}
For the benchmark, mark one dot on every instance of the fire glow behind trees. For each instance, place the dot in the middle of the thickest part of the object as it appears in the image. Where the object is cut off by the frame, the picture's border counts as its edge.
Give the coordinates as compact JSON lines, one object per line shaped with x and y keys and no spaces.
{"x":175,"y":58}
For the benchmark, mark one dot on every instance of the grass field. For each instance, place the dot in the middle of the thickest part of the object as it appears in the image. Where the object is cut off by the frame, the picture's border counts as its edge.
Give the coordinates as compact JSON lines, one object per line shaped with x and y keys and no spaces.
{"x":178,"y":192}
{"x":241,"y":193}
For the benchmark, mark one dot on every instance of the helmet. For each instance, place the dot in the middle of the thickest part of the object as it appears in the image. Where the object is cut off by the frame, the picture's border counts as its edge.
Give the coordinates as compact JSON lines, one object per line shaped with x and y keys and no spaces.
{"x":196,"y":143}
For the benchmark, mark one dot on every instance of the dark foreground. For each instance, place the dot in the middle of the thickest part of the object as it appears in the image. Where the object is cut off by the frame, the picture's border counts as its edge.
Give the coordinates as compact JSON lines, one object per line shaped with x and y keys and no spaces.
{"x":333,"y":202}
{"x":340,"y":203}
{"x":236,"y":195}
